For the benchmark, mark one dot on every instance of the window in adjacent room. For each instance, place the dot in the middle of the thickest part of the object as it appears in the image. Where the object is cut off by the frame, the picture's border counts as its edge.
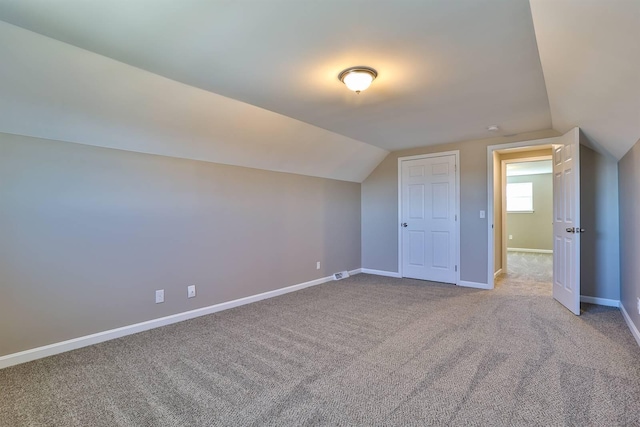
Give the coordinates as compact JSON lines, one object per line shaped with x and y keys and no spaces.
{"x":520,"y":197}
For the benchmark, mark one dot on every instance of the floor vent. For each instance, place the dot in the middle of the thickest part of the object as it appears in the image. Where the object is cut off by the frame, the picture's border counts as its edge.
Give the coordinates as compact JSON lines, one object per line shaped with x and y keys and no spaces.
{"x":340,"y":275}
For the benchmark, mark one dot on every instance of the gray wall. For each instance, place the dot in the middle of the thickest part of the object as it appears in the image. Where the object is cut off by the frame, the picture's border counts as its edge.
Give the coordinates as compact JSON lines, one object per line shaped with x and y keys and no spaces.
{"x":87,"y":234}
{"x":629,"y":179}
{"x":599,"y":198}
{"x":600,"y":244}
{"x":533,"y":230}
{"x":380,"y":206}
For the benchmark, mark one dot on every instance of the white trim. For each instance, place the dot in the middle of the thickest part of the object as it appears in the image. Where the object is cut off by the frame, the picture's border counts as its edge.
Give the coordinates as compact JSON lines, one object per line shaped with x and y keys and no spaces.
{"x":497,"y":273}
{"x":490,"y":213}
{"x":456,"y":154}
{"x":381,"y":273}
{"x":600,"y":301}
{"x":630,"y":324}
{"x":75,"y":343}
{"x":534,"y":251}
{"x":476,"y":285}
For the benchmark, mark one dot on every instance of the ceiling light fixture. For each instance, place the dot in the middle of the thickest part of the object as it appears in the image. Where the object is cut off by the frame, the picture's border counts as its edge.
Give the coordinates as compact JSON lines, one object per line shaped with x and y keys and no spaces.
{"x":358,"y":79}
{"x":493,"y":128}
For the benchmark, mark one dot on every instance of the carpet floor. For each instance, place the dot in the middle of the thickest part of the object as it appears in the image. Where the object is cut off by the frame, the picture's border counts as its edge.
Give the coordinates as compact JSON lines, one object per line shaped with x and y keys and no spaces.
{"x":527,"y":274}
{"x":366,"y":350}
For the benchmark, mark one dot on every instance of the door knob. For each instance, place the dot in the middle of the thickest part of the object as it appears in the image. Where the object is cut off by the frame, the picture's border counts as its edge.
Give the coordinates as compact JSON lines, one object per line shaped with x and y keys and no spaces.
{"x":404,"y":224}
{"x":575,"y":230}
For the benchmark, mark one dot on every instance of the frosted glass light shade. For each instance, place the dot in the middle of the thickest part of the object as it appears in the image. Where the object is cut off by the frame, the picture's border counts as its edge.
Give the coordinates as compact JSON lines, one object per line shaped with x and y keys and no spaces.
{"x":358,"y":79}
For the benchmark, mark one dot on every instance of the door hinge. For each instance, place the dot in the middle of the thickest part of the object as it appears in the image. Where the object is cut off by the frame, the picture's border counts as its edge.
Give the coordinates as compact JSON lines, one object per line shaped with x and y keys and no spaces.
{"x":456,"y":217}
{"x":456,"y":268}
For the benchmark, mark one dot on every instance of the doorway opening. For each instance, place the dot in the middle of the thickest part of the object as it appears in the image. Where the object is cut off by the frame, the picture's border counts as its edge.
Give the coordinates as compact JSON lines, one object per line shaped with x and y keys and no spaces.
{"x":526,"y":258}
{"x":522,"y":214}
{"x":565,"y":151}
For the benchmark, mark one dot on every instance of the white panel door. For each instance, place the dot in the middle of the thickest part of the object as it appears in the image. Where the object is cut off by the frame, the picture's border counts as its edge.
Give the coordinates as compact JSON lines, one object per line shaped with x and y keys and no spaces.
{"x":566,"y":220}
{"x":428,"y":218}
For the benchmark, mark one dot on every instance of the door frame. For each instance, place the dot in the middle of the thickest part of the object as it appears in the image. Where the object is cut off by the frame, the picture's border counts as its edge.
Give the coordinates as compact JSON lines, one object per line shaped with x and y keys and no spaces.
{"x":490,"y":211}
{"x":456,"y":154}
{"x":503,"y":202}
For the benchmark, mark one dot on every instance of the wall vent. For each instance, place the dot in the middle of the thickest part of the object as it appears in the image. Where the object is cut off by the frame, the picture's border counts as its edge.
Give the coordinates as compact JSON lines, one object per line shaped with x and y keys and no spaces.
{"x":341,"y":275}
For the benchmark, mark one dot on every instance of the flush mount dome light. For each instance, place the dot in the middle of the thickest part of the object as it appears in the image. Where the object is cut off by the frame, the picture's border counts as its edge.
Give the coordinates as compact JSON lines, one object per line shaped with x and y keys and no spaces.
{"x":358,"y":79}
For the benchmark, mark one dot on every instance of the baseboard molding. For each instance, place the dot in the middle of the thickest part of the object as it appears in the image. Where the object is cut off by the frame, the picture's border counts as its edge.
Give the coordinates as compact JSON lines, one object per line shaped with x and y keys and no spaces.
{"x":600,"y":301}
{"x":476,"y":285}
{"x":533,"y":251}
{"x":75,"y":343}
{"x":497,"y":273}
{"x":630,"y":324}
{"x":381,"y":272}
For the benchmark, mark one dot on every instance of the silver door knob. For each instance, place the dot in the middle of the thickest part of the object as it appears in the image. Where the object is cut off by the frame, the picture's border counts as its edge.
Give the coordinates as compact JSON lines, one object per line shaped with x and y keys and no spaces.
{"x":404,"y":224}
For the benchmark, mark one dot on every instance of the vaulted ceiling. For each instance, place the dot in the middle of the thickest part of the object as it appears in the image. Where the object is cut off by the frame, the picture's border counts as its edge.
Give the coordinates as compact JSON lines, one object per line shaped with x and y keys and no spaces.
{"x":254,"y":82}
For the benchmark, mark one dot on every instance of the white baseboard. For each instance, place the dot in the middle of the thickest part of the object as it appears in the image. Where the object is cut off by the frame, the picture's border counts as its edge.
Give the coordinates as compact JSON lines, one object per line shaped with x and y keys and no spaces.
{"x":534,"y":251}
{"x":381,"y":273}
{"x":476,"y":285}
{"x":497,"y":273}
{"x":75,"y":343}
{"x":630,"y":324}
{"x":600,"y":301}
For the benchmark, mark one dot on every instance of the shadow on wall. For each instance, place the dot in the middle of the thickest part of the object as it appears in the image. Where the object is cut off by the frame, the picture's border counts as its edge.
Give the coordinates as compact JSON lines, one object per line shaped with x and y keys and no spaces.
{"x":600,"y":244}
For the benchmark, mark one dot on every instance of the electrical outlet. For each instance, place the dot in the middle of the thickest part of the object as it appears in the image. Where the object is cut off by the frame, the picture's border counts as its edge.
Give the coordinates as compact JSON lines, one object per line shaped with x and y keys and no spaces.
{"x":482,"y":214}
{"x":191,"y":291}
{"x":159,"y":296}
{"x":510,"y":236}
{"x":318,"y":265}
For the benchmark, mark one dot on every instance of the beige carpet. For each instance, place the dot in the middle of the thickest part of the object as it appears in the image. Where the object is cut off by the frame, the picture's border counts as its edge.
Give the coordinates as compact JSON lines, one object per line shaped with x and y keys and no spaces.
{"x":527,"y":274}
{"x":367,"y":351}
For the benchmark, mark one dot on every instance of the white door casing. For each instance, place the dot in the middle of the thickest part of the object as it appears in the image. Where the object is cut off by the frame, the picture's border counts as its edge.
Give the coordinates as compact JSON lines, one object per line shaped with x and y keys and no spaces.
{"x":428,"y":218}
{"x":566,"y":220}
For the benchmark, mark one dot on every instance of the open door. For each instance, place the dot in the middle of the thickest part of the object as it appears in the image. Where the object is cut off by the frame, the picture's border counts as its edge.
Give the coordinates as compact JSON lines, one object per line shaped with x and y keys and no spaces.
{"x":566,"y":220}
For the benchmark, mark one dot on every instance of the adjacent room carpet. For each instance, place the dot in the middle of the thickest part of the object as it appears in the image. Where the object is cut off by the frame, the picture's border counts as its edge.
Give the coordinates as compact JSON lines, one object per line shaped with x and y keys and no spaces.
{"x":367,"y":350}
{"x":528,"y":273}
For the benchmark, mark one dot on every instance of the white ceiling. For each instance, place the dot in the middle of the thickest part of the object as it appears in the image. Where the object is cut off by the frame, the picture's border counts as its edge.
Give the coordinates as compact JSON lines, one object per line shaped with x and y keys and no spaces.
{"x":53,"y":90}
{"x":537,"y":167}
{"x":590,"y":53}
{"x":447,"y":69}
{"x":254,"y":82}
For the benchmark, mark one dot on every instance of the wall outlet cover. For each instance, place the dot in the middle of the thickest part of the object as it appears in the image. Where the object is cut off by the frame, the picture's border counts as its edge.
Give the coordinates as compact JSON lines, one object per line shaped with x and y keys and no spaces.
{"x":159,"y":296}
{"x":191,"y":291}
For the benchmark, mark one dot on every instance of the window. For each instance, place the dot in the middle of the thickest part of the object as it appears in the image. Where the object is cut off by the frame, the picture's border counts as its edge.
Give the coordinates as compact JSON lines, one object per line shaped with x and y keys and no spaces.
{"x":520,"y":197}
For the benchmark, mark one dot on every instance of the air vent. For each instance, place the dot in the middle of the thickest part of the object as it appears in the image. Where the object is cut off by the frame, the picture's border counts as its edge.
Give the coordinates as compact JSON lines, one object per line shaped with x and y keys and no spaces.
{"x":341,"y":275}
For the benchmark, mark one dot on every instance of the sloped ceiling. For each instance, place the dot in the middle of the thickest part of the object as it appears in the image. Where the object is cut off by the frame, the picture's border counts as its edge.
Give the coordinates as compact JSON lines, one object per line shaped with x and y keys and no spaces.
{"x":590,"y":53}
{"x":447,"y":69}
{"x":53,"y":90}
{"x":254,"y":83}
